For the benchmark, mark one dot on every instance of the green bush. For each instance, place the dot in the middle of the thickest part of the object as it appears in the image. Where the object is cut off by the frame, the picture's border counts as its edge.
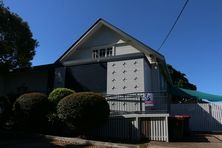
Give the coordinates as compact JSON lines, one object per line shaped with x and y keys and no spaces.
{"x":83,"y":111}
{"x":59,"y":93}
{"x":30,"y":110}
{"x":55,"y":126}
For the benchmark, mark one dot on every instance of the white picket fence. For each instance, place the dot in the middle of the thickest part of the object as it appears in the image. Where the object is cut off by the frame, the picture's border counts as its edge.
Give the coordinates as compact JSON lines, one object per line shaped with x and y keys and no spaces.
{"x":154,"y":128}
{"x":204,"y":117}
{"x":134,"y":127}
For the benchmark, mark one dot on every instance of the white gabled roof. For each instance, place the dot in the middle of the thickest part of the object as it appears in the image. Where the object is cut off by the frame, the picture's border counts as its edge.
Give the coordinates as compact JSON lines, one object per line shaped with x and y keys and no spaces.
{"x":99,"y":23}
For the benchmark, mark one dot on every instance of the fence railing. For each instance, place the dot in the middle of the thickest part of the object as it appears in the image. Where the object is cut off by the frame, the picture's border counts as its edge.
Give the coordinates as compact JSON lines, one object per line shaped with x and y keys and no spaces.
{"x":139,"y":102}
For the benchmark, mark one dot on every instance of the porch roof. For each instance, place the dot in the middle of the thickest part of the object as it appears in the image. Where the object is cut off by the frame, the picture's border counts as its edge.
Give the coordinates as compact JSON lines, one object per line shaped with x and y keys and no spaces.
{"x":195,"y":94}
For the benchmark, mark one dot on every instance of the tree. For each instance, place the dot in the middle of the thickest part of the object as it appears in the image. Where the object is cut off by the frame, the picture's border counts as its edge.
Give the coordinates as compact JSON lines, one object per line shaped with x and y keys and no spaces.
{"x":17,"y":46}
{"x":179,"y":79}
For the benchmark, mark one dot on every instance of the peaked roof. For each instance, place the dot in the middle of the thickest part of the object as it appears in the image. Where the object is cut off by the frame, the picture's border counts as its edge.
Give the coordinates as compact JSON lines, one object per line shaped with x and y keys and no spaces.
{"x":98,"y":24}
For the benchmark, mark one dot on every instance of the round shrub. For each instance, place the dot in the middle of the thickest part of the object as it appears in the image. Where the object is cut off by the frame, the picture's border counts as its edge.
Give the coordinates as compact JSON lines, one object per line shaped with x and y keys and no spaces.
{"x":30,"y":109}
{"x":57,"y":94}
{"x":83,"y":111}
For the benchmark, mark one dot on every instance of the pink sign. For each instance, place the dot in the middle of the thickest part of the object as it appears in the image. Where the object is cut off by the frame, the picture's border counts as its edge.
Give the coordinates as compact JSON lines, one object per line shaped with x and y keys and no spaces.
{"x":148,"y":99}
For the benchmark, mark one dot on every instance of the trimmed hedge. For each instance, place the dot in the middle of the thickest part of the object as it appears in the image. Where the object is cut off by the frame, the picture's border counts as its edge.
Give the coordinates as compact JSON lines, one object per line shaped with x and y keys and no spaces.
{"x":83,"y":111}
{"x":30,"y":109}
{"x":58,"y":94}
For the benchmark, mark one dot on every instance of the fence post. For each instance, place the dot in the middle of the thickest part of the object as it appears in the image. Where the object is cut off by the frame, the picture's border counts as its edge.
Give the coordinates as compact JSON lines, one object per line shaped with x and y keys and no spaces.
{"x":137,"y":126}
{"x":141,"y":105}
{"x":167,"y":129}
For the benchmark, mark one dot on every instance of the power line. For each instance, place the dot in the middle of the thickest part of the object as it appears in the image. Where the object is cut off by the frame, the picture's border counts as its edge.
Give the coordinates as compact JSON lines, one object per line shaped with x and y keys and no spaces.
{"x":171,"y":29}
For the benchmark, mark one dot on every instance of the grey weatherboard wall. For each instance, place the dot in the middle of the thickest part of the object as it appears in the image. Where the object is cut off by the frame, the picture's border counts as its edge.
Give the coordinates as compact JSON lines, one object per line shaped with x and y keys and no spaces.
{"x":87,"y":77}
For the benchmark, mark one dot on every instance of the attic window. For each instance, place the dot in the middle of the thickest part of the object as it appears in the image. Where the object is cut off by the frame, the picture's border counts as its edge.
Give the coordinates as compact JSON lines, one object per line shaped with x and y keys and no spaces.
{"x":109,"y":51}
{"x":95,"y":54}
{"x":102,"y":53}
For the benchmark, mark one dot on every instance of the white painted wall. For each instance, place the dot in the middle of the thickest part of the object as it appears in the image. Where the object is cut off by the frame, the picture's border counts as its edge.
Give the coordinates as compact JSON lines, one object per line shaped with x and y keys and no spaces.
{"x":155,"y":82}
{"x":104,"y":37}
{"x":126,"y":76}
{"x":34,"y":81}
{"x":122,"y":49}
{"x":204,"y":117}
{"x":147,"y":77}
{"x":158,"y":81}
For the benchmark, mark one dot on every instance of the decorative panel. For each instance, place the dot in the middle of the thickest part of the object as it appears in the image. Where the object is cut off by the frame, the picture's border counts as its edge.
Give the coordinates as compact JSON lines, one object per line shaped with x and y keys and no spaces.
{"x":125,"y":76}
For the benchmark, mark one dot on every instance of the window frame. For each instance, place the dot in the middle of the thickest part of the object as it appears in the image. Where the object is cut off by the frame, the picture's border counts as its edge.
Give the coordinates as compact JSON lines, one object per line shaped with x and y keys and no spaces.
{"x":109,"y":51}
{"x":103,"y":52}
{"x":95,"y":54}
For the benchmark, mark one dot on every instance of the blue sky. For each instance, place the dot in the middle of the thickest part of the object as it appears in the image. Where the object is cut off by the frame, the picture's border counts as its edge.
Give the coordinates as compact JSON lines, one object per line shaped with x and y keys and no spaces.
{"x":194,"y":47}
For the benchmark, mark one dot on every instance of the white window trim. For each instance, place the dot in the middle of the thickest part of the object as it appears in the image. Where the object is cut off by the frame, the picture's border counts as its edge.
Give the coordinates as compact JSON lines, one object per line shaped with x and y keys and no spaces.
{"x":98,"y":48}
{"x":93,"y":55}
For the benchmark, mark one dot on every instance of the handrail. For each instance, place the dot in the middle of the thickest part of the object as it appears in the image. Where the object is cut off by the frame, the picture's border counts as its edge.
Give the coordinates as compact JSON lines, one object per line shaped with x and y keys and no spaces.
{"x":154,"y":92}
{"x":136,"y":102}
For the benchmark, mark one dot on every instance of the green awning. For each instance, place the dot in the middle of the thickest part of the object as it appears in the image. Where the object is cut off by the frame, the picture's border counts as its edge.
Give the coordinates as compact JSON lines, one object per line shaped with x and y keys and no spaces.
{"x":195,"y":94}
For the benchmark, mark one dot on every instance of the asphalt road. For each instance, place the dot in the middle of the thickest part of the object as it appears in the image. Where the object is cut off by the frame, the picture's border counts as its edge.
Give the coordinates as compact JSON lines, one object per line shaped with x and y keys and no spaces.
{"x":14,"y":140}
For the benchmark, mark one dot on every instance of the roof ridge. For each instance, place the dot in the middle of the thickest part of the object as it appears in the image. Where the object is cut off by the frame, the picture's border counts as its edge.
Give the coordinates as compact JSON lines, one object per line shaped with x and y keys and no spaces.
{"x":119,"y":31}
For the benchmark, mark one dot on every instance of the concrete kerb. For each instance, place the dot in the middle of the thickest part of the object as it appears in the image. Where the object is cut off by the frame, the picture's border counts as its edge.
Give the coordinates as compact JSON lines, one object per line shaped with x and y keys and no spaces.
{"x":92,"y":142}
{"x":219,"y":137}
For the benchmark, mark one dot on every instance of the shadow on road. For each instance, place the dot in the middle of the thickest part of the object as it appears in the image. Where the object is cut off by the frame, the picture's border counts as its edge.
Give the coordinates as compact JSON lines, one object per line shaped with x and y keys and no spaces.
{"x":27,"y":140}
{"x":193,"y":138}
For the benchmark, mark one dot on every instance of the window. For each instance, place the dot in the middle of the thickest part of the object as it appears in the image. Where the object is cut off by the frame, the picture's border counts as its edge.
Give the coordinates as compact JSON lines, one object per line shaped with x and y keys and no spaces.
{"x":102,"y":53}
{"x":95,"y":54}
{"x":109,"y":51}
